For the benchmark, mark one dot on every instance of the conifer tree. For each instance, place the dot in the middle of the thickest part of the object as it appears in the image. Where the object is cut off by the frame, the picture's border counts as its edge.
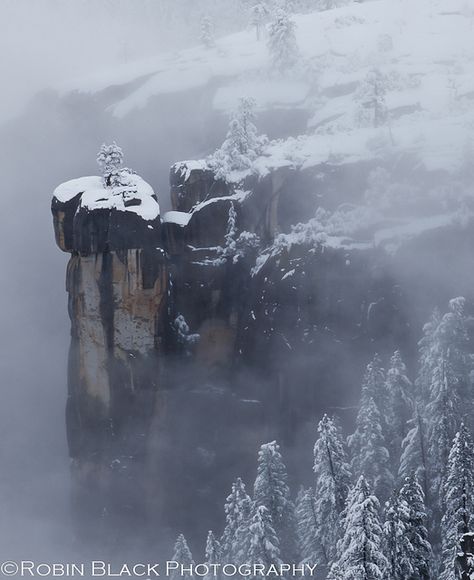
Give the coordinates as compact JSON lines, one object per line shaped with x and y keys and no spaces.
{"x":230,"y":238}
{"x":452,"y":341}
{"x":332,"y":484}
{"x":446,"y":337}
{"x":259,"y":15}
{"x":237,"y":508}
{"x":242,"y":144}
{"x":110,"y":161}
{"x":458,"y":499}
{"x":371,"y":96}
{"x":282,"y":44}
{"x":182,"y":555}
{"x":428,"y":355}
{"x":330,"y":462}
{"x":308,"y":526}
{"x":444,"y":413}
{"x":264,"y":544}
{"x":207,"y":32}
{"x":374,"y":384}
{"x":236,"y":246}
{"x":335,"y":572}
{"x":212,"y":552}
{"x":361,"y":548}
{"x":271,"y":490}
{"x":414,"y":451}
{"x":369,"y":453}
{"x":400,"y":393}
{"x":398,"y":548}
{"x":416,"y":530}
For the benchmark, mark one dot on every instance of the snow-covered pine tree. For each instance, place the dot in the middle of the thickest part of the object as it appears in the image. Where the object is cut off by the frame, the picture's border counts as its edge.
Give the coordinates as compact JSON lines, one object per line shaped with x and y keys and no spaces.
{"x":212,"y":553}
{"x":282,"y":44}
{"x":110,"y":161}
{"x":307,"y":522}
{"x":443,"y":417}
{"x":330,"y":462}
{"x":398,"y":548}
{"x":446,"y":337}
{"x":207,"y":32}
{"x":416,"y":530}
{"x":371,"y":97}
{"x":452,"y":339}
{"x":264,"y":544}
{"x":361,"y":548}
{"x":414,"y":451}
{"x":259,"y":15}
{"x":458,"y":499}
{"x":374,"y":385}
{"x":370,"y":456}
{"x":400,"y":392}
{"x":182,"y":555}
{"x":332,"y":483}
{"x":230,"y":237}
{"x":236,"y":246}
{"x":428,"y":355}
{"x":242,"y":144}
{"x":335,"y":572}
{"x":271,"y":490}
{"x":237,"y":509}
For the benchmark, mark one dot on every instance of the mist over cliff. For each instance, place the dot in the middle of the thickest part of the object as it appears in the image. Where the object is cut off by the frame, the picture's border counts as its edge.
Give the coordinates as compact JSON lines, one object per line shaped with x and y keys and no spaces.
{"x":237,"y":292}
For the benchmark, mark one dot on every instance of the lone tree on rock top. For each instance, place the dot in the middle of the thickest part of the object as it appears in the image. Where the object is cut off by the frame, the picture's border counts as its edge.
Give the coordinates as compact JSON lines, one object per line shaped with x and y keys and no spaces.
{"x":110,"y":160}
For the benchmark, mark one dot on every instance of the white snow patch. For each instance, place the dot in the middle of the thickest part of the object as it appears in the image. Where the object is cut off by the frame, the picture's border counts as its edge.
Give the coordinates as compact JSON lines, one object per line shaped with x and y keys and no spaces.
{"x":137,"y":197}
{"x":66,"y":191}
{"x":186,"y":167}
{"x":289,"y":274}
{"x":179,"y":218}
{"x":239,"y":196}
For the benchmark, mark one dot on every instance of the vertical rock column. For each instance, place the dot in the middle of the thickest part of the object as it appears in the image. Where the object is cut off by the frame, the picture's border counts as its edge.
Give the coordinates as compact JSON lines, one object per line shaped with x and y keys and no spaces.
{"x":117,"y":287}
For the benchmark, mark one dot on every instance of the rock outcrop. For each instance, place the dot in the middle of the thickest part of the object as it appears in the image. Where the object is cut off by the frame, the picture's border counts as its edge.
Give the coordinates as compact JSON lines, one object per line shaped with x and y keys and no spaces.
{"x":199,"y":334}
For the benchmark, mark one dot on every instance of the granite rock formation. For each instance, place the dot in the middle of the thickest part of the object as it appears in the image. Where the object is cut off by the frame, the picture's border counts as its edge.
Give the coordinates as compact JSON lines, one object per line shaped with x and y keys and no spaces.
{"x":188,"y":351}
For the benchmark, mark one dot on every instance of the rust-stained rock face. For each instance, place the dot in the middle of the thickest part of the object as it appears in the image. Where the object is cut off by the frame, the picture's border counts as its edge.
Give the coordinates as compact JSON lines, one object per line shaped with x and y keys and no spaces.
{"x":117,"y":281}
{"x":83,"y":283}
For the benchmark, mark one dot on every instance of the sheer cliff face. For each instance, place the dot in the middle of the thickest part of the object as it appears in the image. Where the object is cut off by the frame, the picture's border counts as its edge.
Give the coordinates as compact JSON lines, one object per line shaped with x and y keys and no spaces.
{"x":197,"y":335}
{"x":117,"y":281}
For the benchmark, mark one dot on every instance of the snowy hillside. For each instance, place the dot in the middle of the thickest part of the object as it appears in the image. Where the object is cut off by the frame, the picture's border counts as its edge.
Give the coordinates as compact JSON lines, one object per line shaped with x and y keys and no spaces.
{"x":420,"y":58}
{"x":424,"y":51}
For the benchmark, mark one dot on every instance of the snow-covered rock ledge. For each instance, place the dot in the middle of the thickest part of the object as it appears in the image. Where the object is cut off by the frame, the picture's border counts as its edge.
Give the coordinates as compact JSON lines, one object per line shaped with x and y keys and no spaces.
{"x":114,"y":212}
{"x":136,"y":197}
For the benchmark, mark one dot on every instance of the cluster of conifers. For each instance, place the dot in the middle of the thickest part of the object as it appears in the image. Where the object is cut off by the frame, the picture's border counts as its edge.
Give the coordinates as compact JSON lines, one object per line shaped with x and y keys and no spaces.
{"x":391,"y":501}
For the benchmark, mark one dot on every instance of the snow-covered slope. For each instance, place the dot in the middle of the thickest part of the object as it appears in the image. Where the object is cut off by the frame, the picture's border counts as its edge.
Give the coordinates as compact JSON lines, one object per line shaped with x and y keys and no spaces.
{"x":423,"y":51}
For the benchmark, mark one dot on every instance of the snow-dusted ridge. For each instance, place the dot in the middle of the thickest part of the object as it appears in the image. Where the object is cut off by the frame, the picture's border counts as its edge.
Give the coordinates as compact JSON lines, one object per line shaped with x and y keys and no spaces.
{"x":138,"y":197}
